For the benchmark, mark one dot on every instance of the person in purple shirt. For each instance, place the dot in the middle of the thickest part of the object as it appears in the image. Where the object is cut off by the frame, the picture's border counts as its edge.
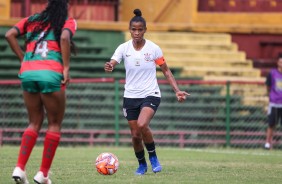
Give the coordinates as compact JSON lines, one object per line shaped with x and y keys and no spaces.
{"x":274,"y":89}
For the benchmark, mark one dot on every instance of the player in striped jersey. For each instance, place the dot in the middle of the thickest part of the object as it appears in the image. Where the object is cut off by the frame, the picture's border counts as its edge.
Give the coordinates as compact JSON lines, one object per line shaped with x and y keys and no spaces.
{"x":142,"y":95}
{"x":44,"y":74}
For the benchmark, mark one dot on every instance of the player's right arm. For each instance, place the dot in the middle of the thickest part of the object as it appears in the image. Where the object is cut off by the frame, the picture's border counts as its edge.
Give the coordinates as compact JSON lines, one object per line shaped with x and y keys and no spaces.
{"x":11,"y":36}
{"x":116,"y":59}
{"x":109,"y":66}
{"x":268,"y":82}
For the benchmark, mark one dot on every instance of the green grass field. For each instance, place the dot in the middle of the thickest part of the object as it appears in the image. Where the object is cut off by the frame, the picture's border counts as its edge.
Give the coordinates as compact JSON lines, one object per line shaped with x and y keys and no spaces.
{"x":75,"y":165}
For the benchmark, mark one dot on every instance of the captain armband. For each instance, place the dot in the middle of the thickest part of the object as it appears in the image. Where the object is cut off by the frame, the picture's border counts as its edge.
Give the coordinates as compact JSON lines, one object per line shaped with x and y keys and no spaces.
{"x":160,"y":61}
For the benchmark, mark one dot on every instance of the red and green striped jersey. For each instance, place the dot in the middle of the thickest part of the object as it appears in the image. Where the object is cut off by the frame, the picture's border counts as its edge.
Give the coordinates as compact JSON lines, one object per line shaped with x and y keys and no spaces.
{"x":47,"y":58}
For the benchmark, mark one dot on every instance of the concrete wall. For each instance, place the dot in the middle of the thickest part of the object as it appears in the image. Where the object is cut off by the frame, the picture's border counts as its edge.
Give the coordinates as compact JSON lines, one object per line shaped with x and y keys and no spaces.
{"x":177,"y":15}
{"x":183,"y":15}
{"x":4,"y":9}
{"x":160,"y":11}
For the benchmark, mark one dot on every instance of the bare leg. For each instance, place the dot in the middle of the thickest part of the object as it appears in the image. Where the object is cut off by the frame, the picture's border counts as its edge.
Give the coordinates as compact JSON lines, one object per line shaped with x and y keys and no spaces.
{"x":136,"y":136}
{"x":144,"y":119}
{"x":54,"y":104}
{"x":140,"y":131}
{"x":269,"y":135}
{"x":35,"y":110}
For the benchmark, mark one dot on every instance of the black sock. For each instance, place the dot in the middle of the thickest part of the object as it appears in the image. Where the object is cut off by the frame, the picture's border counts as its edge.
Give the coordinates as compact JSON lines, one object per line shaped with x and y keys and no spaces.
{"x":151,"y":149}
{"x":141,"y":157}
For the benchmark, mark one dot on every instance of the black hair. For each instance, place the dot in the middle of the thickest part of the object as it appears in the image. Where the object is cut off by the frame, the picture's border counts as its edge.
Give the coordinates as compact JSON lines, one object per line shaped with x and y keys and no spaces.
{"x":137,"y":18}
{"x":55,"y":15}
{"x":279,"y":55}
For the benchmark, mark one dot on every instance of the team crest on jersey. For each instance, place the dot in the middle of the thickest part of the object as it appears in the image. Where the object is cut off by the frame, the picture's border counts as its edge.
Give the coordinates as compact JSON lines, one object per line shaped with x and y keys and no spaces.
{"x":279,"y":85}
{"x":147,"y":57}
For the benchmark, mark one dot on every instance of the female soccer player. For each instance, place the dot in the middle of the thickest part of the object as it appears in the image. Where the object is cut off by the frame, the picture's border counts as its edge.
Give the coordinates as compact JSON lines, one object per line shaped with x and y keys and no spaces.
{"x":142,"y":93}
{"x":44,"y":74}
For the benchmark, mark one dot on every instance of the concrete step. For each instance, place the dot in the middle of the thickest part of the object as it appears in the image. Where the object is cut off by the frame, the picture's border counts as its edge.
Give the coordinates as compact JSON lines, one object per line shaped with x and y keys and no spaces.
{"x":252,"y":94}
{"x":217,"y":37}
{"x":234,"y":78}
{"x":203,"y":46}
{"x":185,"y":36}
{"x":193,"y":50}
{"x":204,"y":59}
{"x":215,"y":71}
{"x":207,"y":55}
{"x":256,"y":101}
{"x":251,"y":90}
{"x":207,"y":63}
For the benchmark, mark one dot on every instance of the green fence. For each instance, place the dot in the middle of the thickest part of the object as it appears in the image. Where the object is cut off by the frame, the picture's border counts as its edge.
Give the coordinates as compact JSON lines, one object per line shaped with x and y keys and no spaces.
{"x":216,"y":114}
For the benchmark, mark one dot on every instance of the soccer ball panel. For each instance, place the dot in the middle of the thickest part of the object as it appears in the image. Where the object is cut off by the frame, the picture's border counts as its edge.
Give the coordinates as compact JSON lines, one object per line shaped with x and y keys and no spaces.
{"x":107,"y":163}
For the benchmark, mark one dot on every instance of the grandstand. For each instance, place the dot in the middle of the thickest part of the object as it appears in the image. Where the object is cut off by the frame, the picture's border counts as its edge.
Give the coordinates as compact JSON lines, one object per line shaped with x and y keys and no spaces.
{"x":207,"y":56}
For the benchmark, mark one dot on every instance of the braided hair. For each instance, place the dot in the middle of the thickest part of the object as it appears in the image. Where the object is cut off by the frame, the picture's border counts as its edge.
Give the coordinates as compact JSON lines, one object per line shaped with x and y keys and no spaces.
{"x":54,"y":16}
{"x":137,"y":18}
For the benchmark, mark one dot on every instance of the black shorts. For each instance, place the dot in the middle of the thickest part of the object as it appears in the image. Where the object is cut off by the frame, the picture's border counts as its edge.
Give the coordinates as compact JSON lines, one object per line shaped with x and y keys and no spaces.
{"x":275,"y":116}
{"x":132,"y":106}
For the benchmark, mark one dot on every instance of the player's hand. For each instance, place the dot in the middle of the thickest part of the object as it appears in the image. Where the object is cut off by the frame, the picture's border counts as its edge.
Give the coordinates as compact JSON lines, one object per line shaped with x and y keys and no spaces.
{"x":108,"y":67}
{"x":181,"y":96}
{"x":66,"y":76}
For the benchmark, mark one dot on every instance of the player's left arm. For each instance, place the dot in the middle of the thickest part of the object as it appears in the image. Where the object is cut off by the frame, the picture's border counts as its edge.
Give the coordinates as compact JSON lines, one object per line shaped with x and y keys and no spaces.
{"x":159,"y":60}
{"x":71,"y":26}
{"x":65,"y":50}
{"x":69,"y":29}
{"x":180,"y":95}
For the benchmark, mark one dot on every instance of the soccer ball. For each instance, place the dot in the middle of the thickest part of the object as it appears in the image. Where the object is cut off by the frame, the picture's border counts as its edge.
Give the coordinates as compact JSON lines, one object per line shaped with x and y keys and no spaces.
{"x":107,"y":164}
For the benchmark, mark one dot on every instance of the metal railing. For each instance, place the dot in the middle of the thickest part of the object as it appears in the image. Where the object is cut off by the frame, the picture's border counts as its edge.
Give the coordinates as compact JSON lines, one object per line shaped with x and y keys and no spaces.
{"x":217,"y":113}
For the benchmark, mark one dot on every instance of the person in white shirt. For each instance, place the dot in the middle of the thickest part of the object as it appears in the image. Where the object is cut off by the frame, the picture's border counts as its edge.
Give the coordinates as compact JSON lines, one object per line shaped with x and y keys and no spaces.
{"x":142,"y":95}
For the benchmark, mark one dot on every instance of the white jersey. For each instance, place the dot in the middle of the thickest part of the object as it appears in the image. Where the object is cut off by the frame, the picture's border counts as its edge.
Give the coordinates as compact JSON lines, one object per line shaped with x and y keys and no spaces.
{"x":140,"y":67}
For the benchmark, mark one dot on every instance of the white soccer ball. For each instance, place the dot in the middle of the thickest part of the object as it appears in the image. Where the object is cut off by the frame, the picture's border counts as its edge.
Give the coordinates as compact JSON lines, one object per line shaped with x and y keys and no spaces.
{"x":107,"y":163}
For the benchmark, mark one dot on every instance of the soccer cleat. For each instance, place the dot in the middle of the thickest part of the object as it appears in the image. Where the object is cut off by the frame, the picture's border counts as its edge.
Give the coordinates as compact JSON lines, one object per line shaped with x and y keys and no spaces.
{"x":19,"y":176}
{"x":40,"y":179}
{"x":156,"y":166}
{"x":141,"y":170}
{"x":267,"y":146}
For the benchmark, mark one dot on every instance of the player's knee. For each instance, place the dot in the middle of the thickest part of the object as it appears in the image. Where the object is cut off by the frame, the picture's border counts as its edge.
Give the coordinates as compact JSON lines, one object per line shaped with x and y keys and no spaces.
{"x":54,"y":126}
{"x":271,"y":125}
{"x":142,"y":126}
{"x":35,"y":126}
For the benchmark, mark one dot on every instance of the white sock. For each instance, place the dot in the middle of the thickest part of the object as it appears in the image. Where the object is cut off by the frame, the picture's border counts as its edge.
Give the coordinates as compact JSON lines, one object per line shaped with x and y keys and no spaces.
{"x":267,"y":145}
